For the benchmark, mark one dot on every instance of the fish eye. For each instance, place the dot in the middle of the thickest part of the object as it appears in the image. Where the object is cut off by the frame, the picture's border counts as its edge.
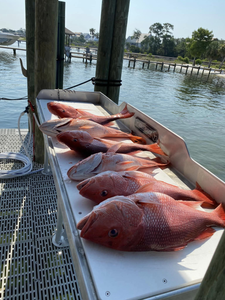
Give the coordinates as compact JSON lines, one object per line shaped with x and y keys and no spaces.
{"x":75,"y":140}
{"x":113,"y":233}
{"x":63,"y":110}
{"x":104,"y":193}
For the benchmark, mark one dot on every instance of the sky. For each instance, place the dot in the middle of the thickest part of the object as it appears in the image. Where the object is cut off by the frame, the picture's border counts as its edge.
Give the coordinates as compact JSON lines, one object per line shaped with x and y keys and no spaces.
{"x":185,"y":15}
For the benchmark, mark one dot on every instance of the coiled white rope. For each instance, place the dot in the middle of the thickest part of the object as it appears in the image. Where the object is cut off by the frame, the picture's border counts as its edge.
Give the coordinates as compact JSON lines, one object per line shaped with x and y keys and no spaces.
{"x":25,"y":159}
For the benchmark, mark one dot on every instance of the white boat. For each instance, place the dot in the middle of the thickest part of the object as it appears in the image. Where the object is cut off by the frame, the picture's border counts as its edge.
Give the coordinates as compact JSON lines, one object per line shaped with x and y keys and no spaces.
{"x":7,"y":38}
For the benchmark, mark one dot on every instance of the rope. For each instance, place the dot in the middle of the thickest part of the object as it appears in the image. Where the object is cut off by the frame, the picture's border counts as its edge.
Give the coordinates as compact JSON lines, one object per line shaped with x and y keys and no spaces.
{"x":25,"y":159}
{"x":80,"y":83}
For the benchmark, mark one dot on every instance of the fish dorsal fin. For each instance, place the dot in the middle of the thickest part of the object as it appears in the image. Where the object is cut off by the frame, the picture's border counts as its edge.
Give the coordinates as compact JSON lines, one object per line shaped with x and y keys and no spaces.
{"x":114,"y":148}
{"x":63,"y":121}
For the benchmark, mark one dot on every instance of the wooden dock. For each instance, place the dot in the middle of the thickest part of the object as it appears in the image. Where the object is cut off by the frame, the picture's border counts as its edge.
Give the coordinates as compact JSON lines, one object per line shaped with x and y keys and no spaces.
{"x":13,"y":48}
{"x":132,"y":60}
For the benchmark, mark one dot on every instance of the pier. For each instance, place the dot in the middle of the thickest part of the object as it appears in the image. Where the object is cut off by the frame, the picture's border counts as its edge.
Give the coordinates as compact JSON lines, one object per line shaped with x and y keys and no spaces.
{"x":13,"y":48}
{"x":133,"y":60}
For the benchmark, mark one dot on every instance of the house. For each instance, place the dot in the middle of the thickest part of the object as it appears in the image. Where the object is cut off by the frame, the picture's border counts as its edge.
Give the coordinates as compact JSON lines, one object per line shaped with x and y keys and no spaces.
{"x":137,"y":42}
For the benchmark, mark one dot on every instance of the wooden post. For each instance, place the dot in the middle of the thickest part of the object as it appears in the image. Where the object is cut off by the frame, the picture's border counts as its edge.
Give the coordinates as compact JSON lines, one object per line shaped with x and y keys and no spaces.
{"x":186,"y":70}
{"x":60,"y":45}
{"x":46,"y":21}
{"x":169,"y":68}
{"x":212,"y":286}
{"x":148,"y":64}
{"x":174,"y":67}
{"x":198,"y":70}
{"x":134,"y":62}
{"x":105,"y":43}
{"x":162,"y":66}
{"x":30,"y":45}
{"x":111,"y":45}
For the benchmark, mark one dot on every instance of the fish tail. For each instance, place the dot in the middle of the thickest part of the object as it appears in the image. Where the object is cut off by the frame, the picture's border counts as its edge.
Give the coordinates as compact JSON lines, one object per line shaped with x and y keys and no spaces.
{"x":220,"y":213}
{"x":125,"y":113}
{"x":201,"y":195}
{"x":137,"y":139}
{"x":155,"y":148}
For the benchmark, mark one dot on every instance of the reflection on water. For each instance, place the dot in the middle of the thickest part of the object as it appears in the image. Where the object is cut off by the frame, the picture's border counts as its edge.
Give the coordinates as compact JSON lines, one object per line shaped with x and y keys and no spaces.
{"x":191,"y":106}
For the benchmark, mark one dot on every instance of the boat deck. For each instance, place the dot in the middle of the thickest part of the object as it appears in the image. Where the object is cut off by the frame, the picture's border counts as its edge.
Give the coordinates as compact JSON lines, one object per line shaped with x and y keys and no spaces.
{"x":31,"y":266}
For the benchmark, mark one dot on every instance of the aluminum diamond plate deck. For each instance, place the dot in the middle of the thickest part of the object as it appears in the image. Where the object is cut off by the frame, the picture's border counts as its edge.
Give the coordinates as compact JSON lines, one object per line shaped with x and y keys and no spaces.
{"x":31,"y":266}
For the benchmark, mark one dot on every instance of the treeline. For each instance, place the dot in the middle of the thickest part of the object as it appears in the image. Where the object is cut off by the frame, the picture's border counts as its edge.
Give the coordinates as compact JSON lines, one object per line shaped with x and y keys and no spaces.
{"x":160,"y":41}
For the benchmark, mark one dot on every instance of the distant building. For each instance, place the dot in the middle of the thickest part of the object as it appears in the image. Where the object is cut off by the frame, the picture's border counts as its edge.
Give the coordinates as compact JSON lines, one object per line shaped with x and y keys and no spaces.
{"x":137,"y":42}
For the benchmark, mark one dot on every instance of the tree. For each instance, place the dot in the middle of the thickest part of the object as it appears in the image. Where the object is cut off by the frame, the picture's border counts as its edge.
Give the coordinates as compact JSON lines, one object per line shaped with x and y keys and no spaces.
{"x":222,"y":53}
{"x":201,"y":38}
{"x":136,"y":35}
{"x":92,"y":32}
{"x":156,"y":29}
{"x":212,"y":51}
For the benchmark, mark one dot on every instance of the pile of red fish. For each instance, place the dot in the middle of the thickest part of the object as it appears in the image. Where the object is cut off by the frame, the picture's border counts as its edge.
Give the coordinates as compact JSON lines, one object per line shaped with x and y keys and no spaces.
{"x":135,"y":211}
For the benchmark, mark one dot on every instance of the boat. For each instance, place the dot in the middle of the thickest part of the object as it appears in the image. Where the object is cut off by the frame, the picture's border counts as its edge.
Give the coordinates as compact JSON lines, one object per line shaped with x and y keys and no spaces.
{"x":7,"y":39}
{"x":104,"y":273}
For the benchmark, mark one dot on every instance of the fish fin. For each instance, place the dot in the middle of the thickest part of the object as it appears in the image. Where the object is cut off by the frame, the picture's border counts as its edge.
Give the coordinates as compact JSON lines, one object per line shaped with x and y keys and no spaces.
{"x":207,"y":198}
{"x":84,"y":127}
{"x":144,"y":188}
{"x":137,"y":139}
{"x":65,"y":122}
{"x":125,"y":112}
{"x":220,"y":212}
{"x":205,"y":234}
{"x":174,"y":249}
{"x":114,"y":148}
{"x":193,"y":204}
{"x":208,"y":201}
{"x":155,"y":148}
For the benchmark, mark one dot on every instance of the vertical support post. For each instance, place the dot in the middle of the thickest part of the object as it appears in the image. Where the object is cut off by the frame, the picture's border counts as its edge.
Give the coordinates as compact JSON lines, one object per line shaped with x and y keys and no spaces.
{"x":30,"y":45}
{"x":174,"y":67}
{"x":212,"y":286}
{"x":111,"y":45}
{"x":46,"y":21}
{"x":198,"y":70}
{"x":134,"y":62}
{"x":162,"y":66}
{"x":148,"y":64}
{"x":60,"y":45}
{"x":186,"y":70}
{"x":105,"y":43}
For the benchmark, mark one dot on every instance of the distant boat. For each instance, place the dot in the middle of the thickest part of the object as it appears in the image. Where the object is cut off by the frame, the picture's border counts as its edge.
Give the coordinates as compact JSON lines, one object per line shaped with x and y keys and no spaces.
{"x":7,"y":38}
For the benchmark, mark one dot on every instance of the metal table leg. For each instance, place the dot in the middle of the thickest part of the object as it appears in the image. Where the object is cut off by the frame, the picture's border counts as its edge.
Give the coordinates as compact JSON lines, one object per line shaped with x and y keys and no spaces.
{"x":60,"y":238}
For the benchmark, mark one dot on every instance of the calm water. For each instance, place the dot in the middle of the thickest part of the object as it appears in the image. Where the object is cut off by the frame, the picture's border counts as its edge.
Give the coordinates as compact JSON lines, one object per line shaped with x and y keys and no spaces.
{"x":191,"y":106}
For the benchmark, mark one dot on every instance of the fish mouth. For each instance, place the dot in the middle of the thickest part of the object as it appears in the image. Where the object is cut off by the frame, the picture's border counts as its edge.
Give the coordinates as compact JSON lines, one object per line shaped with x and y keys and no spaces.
{"x":84,"y":184}
{"x":86,"y":223}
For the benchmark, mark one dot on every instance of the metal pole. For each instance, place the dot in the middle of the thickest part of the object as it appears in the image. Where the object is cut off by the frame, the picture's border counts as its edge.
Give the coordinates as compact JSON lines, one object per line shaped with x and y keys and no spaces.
{"x":30,"y":45}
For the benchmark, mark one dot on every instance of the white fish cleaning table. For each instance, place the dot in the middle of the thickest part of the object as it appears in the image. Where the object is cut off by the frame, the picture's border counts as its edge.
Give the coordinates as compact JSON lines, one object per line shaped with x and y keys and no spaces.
{"x":109,"y":274}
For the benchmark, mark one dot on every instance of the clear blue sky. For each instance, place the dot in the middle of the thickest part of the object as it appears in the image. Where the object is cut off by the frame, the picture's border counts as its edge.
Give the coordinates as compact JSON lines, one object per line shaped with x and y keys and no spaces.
{"x":186,"y":16}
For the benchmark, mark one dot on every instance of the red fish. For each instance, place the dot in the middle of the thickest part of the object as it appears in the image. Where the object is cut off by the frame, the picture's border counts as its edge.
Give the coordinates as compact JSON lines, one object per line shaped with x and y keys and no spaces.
{"x":82,"y":141}
{"x":67,"y":111}
{"x":101,"y":162}
{"x":148,"y":221}
{"x":54,"y":127}
{"x":109,"y":184}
